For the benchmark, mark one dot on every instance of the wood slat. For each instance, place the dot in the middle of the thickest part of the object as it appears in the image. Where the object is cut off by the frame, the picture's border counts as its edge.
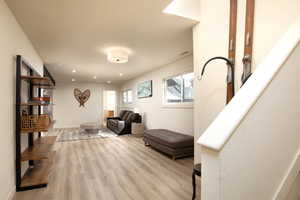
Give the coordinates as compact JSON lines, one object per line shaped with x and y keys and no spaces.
{"x":232,"y":45}
{"x":38,"y":175}
{"x":41,"y":149}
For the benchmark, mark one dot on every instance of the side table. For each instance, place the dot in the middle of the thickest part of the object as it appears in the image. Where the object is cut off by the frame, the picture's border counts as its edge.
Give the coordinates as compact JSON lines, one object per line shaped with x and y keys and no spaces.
{"x":137,"y":129}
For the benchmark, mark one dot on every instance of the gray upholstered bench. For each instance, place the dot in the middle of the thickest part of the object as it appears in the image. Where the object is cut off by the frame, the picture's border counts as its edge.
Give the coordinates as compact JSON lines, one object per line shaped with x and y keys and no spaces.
{"x":172,"y":143}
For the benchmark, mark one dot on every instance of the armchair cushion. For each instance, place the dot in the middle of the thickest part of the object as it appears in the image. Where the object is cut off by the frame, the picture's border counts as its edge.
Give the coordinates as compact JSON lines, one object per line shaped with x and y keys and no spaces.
{"x":122,"y":113}
{"x":125,"y":116}
{"x":114,"y":122}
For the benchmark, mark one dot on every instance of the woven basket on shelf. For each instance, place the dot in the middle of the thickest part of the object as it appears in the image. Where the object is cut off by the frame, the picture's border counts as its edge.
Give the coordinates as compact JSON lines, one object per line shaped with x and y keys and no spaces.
{"x":35,"y":123}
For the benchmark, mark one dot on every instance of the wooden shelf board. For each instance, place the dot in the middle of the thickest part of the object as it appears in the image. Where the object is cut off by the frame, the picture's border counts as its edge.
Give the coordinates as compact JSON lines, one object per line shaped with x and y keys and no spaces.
{"x":41,"y":149}
{"x":36,"y":104}
{"x":38,"y":81}
{"x":35,"y":130}
{"x":39,"y":174}
{"x":46,"y":140}
{"x":47,"y":87}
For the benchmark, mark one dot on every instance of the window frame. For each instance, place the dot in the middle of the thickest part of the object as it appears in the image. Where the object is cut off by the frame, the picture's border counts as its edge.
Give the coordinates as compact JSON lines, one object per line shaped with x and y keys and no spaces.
{"x":126,"y":100}
{"x":182,"y":103}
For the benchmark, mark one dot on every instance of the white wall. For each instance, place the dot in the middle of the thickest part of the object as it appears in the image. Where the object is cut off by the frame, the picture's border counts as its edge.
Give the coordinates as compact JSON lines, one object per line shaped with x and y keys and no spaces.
{"x":155,"y":114}
{"x":264,"y":147}
{"x":67,"y":112}
{"x":211,"y":39}
{"x":13,"y":41}
{"x":188,"y":9}
{"x":294,"y":193}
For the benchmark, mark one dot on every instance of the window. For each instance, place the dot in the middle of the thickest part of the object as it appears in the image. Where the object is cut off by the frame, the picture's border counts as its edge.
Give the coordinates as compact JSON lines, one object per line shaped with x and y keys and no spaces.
{"x":179,"y":89}
{"x":127,"y":96}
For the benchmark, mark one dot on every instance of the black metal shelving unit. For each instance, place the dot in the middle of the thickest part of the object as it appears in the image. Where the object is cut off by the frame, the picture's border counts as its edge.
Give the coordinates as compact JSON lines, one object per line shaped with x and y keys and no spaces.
{"x":38,"y":154}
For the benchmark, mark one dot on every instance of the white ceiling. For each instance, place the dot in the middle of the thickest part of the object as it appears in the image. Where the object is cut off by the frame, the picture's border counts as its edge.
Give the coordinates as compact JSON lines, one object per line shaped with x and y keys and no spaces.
{"x":74,"y":34}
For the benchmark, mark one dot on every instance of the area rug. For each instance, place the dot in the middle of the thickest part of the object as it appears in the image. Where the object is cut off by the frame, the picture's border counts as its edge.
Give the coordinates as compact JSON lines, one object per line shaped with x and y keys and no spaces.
{"x":74,"y":134}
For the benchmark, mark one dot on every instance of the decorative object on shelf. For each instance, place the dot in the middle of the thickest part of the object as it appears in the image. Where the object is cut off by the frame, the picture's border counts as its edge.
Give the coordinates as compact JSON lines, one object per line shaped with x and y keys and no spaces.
{"x":35,"y":123}
{"x":24,"y":112}
{"x":144,"y":89}
{"x":82,"y":97}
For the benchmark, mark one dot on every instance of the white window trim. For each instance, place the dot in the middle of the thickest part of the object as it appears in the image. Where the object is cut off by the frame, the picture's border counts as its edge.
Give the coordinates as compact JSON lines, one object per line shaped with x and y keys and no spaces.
{"x":122,"y":94}
{"x":179,"y":105}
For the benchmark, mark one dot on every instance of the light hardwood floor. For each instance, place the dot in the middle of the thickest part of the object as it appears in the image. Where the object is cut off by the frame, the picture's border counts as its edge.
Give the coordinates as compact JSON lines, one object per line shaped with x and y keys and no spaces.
{"x":119,"y":168}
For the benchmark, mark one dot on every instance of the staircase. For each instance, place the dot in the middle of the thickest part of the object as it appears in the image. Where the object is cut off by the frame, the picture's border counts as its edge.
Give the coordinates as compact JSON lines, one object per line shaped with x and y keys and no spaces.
{"x":252,"y":149}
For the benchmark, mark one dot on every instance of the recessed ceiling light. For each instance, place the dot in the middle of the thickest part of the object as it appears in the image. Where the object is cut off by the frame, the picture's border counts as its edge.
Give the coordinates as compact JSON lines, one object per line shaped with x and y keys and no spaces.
{"x":121,"y":74}
{"x":73,"y":79}
{"x":74,"y":71}
{"x":108,"y":82}
{"x":95,"y":77}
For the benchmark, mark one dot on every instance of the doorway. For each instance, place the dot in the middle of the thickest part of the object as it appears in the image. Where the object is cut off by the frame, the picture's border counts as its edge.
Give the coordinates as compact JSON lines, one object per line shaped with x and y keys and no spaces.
{"x":109,"y":104}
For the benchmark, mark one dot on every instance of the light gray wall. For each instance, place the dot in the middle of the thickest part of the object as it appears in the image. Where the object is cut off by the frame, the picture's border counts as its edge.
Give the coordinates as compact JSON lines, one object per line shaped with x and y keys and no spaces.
{"x":155,"y":114}
{"x":67,"y":112}
{"x":13,"y":41}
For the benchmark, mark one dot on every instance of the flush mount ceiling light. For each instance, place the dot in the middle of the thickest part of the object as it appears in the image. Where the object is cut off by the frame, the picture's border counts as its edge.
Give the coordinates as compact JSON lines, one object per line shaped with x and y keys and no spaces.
{"x":73,"y":79}
{"x":74,"y":71}
{"x":117,"y":55}
{"x":94,"y":77}
{"x":121,"y":74}
{"x":108,"y":82}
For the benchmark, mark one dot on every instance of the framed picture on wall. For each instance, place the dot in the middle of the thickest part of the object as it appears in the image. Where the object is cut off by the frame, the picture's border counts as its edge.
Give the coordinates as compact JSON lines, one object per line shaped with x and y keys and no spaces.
{"x":144,"y":89}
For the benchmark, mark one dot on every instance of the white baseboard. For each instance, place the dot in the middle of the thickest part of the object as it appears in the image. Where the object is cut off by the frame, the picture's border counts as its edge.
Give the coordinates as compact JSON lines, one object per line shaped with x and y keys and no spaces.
{"x":11,"y":194}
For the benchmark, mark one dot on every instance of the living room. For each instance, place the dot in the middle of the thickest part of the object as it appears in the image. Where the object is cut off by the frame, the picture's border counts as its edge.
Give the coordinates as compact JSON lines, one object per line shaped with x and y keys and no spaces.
{"x":63,"y":78}
{"x":160,"y":99}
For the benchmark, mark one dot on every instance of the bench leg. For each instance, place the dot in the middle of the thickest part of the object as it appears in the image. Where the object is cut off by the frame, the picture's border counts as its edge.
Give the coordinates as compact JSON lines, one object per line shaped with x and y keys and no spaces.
{"x":173,"y":157}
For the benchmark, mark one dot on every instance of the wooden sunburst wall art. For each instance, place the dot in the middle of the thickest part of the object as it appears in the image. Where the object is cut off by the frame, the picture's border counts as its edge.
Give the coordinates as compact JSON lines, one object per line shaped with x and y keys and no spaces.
{"x":82,"y":97}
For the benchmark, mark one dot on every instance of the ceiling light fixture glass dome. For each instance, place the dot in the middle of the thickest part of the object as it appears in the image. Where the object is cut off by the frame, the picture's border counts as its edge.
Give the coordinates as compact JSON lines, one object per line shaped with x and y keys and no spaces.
{"x":117,"y":56}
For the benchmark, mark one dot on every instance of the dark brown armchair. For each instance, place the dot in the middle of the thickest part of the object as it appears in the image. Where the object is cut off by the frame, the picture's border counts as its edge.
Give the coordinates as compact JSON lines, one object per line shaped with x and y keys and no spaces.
{"x":122,"y":124}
